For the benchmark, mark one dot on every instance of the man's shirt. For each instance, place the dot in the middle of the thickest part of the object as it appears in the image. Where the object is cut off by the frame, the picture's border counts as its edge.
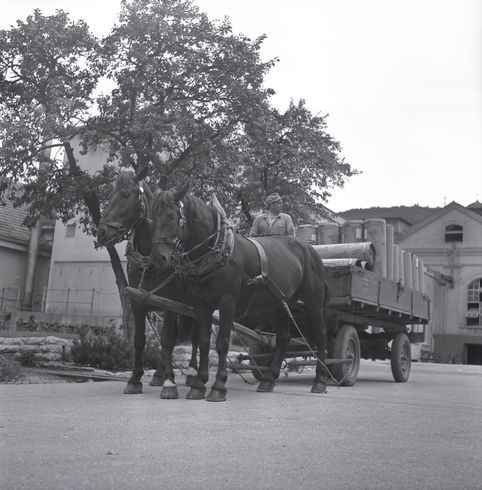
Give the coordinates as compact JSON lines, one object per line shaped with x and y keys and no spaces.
{"x":264,"y":224}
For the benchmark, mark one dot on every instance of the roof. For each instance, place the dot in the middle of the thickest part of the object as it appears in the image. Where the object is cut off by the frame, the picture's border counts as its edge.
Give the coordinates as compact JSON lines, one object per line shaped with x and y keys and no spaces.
{"x":12,"y":228}
{"x":475,"y":206}
{"x":410,"y":214}
{"x":440,"y":212}
{"x":11,"y":224}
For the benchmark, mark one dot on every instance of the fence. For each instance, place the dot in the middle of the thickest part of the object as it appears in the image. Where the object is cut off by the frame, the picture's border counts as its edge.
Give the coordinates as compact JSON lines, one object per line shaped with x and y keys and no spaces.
{"x":65,"y":301}
{"x":13,"y":299}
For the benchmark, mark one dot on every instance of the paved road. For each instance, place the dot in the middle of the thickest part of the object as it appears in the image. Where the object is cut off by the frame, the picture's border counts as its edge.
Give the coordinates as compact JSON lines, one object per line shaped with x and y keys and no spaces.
{"x":424,"y":434}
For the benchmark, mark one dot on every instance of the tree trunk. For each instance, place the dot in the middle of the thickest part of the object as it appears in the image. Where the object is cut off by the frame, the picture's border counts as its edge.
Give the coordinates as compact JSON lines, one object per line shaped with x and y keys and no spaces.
{"x":92,"y":202}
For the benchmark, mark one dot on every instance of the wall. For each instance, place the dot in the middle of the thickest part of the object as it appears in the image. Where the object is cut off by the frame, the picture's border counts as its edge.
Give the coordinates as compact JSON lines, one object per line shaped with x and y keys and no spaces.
{"x":77,"y":268}
{"x":13,"y":263}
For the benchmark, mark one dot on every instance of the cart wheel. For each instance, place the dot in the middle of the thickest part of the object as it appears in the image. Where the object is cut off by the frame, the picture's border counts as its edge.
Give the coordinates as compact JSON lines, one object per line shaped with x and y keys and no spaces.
{"x":253,"y":350}
{"x":346,"y":346}
{"x":401,"y":358}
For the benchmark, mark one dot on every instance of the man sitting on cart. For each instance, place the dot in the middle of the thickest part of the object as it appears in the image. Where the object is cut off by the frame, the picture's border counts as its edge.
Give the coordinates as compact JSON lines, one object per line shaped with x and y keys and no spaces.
{"x":273,"y":221}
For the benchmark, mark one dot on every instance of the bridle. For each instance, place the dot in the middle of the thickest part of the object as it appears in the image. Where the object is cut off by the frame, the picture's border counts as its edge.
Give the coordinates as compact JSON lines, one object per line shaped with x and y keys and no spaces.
{"x":217,"y":253}
{"x":121,"y":231}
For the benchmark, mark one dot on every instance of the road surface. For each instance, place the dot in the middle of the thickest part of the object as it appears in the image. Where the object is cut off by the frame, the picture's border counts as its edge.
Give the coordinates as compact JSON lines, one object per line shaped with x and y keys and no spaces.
{"x":378,"y":434}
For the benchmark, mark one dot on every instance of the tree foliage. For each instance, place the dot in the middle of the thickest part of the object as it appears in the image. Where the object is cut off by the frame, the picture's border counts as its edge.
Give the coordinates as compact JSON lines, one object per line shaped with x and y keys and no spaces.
{"x":185,"y":95}
{"x":47,"y":79}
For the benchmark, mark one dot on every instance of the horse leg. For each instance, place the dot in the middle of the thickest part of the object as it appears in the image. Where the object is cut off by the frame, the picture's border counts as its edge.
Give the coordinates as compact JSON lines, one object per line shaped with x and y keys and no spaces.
{"x":319,"y":337}
{"x":158,"y":376}
{"x":168,"y":341}
{"x":282,"y":340}
{"x":193,"y":366}
{"x":198,"y":388}
{"x":226,"y":319}
{"x":134,"y":385}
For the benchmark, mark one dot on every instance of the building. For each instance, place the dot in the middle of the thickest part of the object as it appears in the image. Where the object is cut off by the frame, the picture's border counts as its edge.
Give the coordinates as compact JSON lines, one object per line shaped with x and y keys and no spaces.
{"x":81,"y":279}
{"x":400,"y":217}
{"x":24,"y":260}
{"x":450,"y":243}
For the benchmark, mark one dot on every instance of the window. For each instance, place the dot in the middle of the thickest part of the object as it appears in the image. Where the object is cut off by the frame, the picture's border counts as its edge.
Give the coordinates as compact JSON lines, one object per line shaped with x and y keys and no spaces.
{"x":70,"y":230}
{"x":474,"y":302}
{"x":454,"y":233}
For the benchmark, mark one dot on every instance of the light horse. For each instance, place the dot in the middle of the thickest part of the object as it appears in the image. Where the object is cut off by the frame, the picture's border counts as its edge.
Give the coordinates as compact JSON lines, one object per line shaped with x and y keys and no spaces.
{"x":236,"y":275}
{"x":127,"y":216}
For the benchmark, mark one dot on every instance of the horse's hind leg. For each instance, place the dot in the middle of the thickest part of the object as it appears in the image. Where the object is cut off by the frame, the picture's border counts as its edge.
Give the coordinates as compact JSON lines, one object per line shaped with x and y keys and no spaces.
{"x":282,"y":340}
{"x":134,"y":385}
{"x":319,"y":337}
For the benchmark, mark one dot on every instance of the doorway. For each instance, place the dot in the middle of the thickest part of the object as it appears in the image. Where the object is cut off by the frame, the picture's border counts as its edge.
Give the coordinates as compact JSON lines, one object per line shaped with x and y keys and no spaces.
{"x":474,"y":354}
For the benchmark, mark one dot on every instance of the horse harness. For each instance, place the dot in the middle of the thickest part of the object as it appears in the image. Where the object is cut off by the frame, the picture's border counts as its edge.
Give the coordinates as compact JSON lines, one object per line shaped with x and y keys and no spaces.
{"x":220,"y":254}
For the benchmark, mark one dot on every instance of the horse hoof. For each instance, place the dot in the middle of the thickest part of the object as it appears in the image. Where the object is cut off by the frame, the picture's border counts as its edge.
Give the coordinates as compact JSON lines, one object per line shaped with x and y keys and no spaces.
{"x":217,"y":396}
{"x":265,"y":386}
{"x":156,"y":381}
{"x":318,"y":387}
{"x":190,"y":379}
{"x":133,"y":389}
{"x":196,"y":394}
{"x":169,"y":393}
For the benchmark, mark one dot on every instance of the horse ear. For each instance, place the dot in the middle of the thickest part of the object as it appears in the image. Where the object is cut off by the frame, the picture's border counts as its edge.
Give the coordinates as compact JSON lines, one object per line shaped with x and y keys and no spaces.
{"x":181,"y":194}
{"x":141,"y":173}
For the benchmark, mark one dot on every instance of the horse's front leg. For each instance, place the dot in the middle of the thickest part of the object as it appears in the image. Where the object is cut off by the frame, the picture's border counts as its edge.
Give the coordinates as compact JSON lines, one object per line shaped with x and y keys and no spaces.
{"x":159,"y":376}
{"x":168,"y":341}
{"x":134,"y":384}
{"x":198,"y":386}
{"x":282,"y":340}
{"x":226,"y":319}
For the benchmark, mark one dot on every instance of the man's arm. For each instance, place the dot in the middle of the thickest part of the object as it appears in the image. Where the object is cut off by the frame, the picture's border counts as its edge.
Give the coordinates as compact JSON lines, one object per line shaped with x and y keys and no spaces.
{"x":255,"y":228}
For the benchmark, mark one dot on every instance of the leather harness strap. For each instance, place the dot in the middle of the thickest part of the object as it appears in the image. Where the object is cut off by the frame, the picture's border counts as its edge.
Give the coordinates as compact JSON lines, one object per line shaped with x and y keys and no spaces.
{"x":263,"y":278}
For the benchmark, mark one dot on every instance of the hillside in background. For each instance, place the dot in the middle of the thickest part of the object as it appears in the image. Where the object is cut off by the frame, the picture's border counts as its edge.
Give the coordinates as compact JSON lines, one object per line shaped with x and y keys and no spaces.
{"x":410,"y":214}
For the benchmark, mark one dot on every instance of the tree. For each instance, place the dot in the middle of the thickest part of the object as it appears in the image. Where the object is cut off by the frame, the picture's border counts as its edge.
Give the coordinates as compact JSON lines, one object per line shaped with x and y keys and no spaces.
{"x":47,"y":76}
{"x":183,"y":83}
{"x":188,"y":100}
{"x":291,"y":153}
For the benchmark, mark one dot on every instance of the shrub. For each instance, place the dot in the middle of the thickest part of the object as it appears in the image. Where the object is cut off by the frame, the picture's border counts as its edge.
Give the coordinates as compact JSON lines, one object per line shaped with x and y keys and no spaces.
{"x":110,"y":351}
{"x":9,"y":369}
{"x":27,"y":358}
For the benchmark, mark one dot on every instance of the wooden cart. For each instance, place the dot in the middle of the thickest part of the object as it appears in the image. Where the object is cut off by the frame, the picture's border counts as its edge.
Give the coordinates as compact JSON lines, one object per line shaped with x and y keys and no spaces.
{"x":367,"y":317}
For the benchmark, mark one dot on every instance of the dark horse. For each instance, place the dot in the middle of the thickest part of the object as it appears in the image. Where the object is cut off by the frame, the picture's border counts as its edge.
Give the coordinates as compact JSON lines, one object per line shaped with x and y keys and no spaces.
{"x":229,"y":272}
{"x":127,"y":214}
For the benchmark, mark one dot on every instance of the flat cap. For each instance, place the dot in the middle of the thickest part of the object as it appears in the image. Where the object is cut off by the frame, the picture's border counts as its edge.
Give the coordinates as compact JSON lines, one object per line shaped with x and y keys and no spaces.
{"x":272,"y":198}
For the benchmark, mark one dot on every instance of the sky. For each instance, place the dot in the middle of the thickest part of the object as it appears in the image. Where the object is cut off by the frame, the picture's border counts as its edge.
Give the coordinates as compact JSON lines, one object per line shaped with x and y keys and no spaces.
{"x":400,"y":80}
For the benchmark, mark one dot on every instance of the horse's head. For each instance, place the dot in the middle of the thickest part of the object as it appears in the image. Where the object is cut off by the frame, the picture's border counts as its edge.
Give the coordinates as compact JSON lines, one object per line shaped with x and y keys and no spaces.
{"x":127,"y":207}
{"x":168,"y":226}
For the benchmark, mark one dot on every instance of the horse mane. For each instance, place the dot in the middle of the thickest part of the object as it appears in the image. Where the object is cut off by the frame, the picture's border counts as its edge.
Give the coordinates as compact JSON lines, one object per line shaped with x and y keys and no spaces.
{"x":195,"y":209}
{"x":148,"y":191}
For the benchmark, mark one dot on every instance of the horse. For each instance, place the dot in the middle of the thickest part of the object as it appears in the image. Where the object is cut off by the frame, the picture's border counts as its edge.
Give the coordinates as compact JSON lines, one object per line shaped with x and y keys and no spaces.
{"x":237,"y":275}
{"x":127,"y":216}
